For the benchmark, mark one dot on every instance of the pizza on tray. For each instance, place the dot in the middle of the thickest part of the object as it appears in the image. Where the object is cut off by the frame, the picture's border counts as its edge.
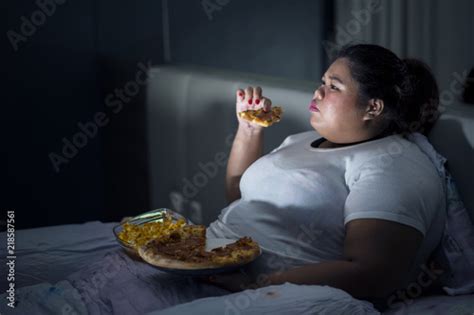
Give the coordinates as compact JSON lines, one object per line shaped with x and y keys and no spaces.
{"x":262,"y":118}
{"x":185,"y":249}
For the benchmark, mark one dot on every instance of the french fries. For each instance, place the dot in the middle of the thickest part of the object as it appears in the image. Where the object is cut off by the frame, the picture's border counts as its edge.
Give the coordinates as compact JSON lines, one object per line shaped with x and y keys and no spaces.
{"x":138,"y":235}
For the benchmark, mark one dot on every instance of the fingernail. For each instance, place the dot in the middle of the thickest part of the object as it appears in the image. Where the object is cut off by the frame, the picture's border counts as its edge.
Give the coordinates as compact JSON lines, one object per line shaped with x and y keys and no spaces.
{"x":250,"y":101}
{"x":241,"y":94}
{"x":257,"y":101}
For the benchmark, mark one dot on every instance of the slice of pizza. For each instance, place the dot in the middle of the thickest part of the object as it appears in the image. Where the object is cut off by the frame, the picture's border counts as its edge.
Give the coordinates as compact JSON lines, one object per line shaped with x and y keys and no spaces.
{"x":243,"y":251}
{"x":262,"y":118}
{"x":185,"y":249}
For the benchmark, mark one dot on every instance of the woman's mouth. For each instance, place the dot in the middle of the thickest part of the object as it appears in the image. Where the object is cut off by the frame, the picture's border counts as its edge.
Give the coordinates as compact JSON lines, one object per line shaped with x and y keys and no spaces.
{"x":313,"y":107}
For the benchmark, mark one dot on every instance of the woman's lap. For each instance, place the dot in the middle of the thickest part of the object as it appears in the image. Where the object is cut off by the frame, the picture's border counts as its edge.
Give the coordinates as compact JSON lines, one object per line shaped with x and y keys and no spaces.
{"x":119,"y":284}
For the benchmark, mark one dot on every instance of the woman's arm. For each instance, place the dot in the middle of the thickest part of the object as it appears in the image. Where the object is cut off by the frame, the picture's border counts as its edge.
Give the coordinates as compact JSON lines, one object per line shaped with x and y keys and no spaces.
{"x":248,"y":142}
{"x":246,"y":149}
{"x":378,"y":254}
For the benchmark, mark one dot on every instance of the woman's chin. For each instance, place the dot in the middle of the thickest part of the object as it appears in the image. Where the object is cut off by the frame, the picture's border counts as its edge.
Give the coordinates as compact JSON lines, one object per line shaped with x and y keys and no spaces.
{"x":314,"y":122}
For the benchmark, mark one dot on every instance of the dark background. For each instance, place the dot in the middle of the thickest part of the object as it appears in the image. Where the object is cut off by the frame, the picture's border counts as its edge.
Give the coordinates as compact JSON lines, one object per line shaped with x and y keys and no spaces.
{"x":62,"y":74}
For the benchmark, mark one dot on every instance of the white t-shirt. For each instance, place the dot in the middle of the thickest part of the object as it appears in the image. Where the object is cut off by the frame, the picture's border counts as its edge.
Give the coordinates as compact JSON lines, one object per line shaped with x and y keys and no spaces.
{"x":297,"y":199}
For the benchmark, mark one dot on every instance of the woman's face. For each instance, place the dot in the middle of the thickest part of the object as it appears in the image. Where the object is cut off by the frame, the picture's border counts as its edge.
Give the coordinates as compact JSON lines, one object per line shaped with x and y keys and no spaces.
{"x":334,"y":111}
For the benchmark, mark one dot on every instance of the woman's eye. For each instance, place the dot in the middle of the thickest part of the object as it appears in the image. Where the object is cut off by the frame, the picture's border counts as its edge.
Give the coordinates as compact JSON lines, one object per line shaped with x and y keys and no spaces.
{"x":331,"y":86}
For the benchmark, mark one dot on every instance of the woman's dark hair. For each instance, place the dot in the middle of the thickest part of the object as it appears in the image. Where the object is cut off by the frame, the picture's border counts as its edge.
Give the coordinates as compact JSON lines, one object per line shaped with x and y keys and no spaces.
{"x":407,"y":87}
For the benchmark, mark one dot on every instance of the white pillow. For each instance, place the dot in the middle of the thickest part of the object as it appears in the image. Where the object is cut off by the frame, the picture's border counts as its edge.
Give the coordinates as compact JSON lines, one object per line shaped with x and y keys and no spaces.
{"x":455,"y":253}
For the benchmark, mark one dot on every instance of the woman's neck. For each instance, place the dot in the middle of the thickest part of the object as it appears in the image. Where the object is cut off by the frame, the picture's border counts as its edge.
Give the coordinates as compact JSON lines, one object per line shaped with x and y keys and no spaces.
{"x":329,"y":144}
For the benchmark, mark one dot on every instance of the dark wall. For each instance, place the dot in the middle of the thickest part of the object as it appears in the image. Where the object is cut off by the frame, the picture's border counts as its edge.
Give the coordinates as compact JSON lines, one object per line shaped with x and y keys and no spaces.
{"x":59,"y":78}
{"x":272,"y":37}
{"x":129,"y":40}
{"x":52,"y":87}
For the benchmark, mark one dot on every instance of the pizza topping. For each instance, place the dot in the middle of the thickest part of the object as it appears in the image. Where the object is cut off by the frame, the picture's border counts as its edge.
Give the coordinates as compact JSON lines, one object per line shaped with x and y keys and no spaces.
{"x":181,"y":246}
{"x":261,"y":117}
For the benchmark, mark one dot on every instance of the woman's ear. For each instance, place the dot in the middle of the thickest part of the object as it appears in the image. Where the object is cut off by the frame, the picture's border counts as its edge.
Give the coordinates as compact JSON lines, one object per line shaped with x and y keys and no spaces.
{"x":373,"y":109}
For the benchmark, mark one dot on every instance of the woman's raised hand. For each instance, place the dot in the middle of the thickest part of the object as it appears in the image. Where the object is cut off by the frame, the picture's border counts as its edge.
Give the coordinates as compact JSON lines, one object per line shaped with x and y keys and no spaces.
{"x":247,"y":146}
{"x":251,"y":98}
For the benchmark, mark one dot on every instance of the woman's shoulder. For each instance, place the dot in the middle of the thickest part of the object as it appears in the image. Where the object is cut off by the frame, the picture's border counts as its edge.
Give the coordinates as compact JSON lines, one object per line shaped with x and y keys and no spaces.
{"x":391,"y":154}
{"x":396,"y":154}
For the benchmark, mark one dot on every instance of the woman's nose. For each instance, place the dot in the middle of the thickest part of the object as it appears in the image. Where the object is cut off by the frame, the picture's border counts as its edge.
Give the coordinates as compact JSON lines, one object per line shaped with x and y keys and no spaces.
{"x":319,"y":93}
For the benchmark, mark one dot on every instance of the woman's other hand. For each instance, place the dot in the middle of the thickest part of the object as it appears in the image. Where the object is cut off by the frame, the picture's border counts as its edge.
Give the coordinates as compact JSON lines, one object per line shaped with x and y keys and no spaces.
{"x":234,"y":282}
{"x":251,"y":98}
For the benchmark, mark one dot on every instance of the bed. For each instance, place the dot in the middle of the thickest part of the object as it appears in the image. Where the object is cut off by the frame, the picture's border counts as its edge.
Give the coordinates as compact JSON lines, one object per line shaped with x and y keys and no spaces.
{"x":44,"y":260}
{"x":179,"y":100}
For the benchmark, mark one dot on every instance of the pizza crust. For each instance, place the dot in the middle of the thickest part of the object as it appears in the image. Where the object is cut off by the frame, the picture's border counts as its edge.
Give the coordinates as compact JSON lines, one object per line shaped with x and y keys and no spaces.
{"x":155,"y":259}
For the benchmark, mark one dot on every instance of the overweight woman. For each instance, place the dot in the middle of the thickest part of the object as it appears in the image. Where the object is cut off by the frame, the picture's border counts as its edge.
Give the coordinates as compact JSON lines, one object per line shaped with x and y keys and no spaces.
{"x":359,"y":208}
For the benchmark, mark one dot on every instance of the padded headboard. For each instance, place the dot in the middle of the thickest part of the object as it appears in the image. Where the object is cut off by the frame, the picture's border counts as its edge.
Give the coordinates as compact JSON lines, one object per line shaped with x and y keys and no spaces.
{"x":191,"y":121}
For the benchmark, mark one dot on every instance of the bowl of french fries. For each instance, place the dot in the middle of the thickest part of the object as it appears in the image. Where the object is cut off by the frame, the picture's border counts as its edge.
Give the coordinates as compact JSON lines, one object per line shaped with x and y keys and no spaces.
{"x":137,"y":231}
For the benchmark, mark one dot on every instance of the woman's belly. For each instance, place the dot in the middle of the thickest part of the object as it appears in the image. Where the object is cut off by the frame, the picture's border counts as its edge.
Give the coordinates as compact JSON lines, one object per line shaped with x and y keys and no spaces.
{"x":301,"y":235}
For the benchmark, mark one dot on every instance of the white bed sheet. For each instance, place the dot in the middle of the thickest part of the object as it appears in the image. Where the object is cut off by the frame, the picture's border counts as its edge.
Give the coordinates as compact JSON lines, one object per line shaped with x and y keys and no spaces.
{"x":293,"y":299}
{"x":50,"y":254}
